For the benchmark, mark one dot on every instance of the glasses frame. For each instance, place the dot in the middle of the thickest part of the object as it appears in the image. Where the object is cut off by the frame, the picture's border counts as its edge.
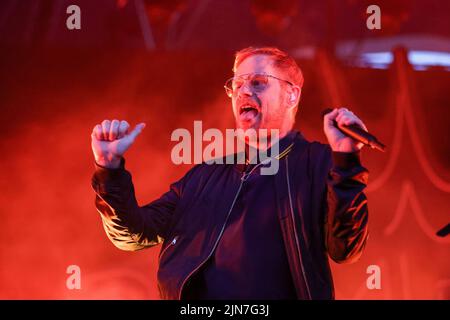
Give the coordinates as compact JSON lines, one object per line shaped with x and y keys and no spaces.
{"x":229,"y":91}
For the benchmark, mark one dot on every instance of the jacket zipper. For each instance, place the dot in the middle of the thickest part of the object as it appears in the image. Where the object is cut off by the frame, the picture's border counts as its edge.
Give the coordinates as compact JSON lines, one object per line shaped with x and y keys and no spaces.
{"x":295,"y":230}
{"x":244,"y":177}
{"x":172,"y":243}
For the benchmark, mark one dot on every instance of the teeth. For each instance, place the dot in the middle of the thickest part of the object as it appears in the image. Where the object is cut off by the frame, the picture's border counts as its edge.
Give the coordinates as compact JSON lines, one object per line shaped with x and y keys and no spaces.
{"x":248,"y":107}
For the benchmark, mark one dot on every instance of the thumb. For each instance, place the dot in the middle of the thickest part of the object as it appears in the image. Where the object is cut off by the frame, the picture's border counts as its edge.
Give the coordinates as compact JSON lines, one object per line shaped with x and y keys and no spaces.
{"x":136,"y":131}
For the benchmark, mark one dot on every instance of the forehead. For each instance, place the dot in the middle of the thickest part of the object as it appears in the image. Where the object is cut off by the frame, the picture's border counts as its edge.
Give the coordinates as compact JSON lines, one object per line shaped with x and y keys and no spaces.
{"x":257,"y":64}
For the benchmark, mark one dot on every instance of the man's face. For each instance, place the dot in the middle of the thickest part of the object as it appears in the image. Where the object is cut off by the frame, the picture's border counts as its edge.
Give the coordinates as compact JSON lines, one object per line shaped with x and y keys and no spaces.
{"x":260,"y":110}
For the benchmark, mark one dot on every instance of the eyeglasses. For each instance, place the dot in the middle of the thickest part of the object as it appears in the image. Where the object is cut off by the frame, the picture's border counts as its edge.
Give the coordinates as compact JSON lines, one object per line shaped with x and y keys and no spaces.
{"x":258,"y":82}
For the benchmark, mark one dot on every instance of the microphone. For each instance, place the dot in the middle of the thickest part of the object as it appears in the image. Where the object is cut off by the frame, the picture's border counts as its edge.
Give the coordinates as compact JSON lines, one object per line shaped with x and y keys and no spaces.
{"x":356,"y":132}
{"x":444,"y":231}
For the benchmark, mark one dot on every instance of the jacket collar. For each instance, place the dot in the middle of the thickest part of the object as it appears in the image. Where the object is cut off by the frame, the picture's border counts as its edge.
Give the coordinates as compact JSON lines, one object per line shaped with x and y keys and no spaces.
{"x":285,"y":144}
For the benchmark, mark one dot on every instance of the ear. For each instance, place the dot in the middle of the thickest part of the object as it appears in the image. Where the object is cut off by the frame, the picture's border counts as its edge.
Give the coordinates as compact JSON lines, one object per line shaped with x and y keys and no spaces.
{"x":294,"y":96}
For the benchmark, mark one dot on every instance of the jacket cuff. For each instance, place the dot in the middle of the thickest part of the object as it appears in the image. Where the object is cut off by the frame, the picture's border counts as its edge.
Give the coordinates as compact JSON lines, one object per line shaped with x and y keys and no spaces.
{"x":346,"y":160}
{"x":104,"y":175}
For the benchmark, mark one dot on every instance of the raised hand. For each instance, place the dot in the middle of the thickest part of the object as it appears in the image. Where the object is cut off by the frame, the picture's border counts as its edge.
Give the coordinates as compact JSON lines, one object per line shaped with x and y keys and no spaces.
{"x":111,"y":139}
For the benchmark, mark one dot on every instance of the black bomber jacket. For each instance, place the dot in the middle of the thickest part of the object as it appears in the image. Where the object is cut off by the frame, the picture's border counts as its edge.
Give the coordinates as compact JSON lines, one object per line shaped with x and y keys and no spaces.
{"x":321,"y":208}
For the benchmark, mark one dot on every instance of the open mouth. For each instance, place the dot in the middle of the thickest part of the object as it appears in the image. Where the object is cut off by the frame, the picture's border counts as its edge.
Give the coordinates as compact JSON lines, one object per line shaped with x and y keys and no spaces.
{"x":248,"y":112}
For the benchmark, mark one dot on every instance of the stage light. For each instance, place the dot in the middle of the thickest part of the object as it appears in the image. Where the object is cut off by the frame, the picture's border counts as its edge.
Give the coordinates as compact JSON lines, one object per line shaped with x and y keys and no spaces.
{"x":420,"y":60}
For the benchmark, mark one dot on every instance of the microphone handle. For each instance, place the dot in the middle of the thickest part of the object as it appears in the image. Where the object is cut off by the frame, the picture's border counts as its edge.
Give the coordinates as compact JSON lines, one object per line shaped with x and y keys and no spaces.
{"x":356,"y":132}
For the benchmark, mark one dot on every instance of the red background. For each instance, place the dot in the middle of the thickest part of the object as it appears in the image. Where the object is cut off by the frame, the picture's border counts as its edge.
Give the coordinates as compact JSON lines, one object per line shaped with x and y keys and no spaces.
{"x":51,"y":98}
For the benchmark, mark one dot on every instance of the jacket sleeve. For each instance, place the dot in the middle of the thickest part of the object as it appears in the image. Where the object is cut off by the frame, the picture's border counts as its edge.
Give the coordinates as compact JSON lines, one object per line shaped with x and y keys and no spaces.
{"x":346,"y":222}
{"x":129,"y":226}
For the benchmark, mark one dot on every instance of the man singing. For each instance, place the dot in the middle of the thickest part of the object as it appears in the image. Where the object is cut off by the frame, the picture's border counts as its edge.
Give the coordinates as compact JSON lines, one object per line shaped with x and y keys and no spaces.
{"x":229,"y":232}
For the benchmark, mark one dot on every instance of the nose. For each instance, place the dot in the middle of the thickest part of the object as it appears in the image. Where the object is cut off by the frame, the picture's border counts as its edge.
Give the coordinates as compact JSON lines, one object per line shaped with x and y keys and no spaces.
{"x":244,"y":90}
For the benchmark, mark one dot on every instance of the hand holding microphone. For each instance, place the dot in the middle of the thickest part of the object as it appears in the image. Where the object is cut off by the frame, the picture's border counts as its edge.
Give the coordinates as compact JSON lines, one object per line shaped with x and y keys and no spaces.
{"x":346,"y":132}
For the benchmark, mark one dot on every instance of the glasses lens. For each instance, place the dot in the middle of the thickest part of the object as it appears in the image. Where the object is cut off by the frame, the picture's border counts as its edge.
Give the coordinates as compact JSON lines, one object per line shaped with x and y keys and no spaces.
{"x":258,"y":82}
{"x":237,"y":83}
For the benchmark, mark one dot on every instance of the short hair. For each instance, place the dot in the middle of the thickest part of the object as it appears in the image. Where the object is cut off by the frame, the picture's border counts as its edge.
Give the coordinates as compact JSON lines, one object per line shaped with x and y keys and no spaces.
{"x":281,"y":60}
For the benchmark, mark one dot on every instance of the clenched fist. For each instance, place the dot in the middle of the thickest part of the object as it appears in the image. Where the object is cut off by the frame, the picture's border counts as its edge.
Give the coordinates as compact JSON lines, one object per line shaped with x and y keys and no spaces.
{"x":111,"y":139}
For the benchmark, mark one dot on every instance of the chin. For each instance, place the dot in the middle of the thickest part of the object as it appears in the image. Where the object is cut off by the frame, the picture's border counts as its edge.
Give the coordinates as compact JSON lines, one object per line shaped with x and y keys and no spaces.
{"x":256,"y":125}
{"x":247,"y":126}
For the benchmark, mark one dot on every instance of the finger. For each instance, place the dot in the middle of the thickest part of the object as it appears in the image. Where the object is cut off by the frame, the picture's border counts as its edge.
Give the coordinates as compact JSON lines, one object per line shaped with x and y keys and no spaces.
{"x":97,"y":132}
{"x":328,"y":121}
{"x":364,"y":126}
{"x":114,"y":130}
{"x":346,"y":120}
{"x":93,"y":136}
{"x":329,"y":117}
{"x":105,"y":129}
{"x":361,"y":124}
{"x":340,"y":116}
{"x":356,"y":120}
{"x":136,"y":131}
{"x":123,"y":129}
{"x":343,"y":109}
{"x":344,"y":112}
{"x":349,"y":120}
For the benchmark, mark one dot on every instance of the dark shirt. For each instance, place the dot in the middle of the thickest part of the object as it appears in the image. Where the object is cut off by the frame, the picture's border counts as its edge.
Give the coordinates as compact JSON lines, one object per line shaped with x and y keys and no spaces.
{"x":250,"y":261}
